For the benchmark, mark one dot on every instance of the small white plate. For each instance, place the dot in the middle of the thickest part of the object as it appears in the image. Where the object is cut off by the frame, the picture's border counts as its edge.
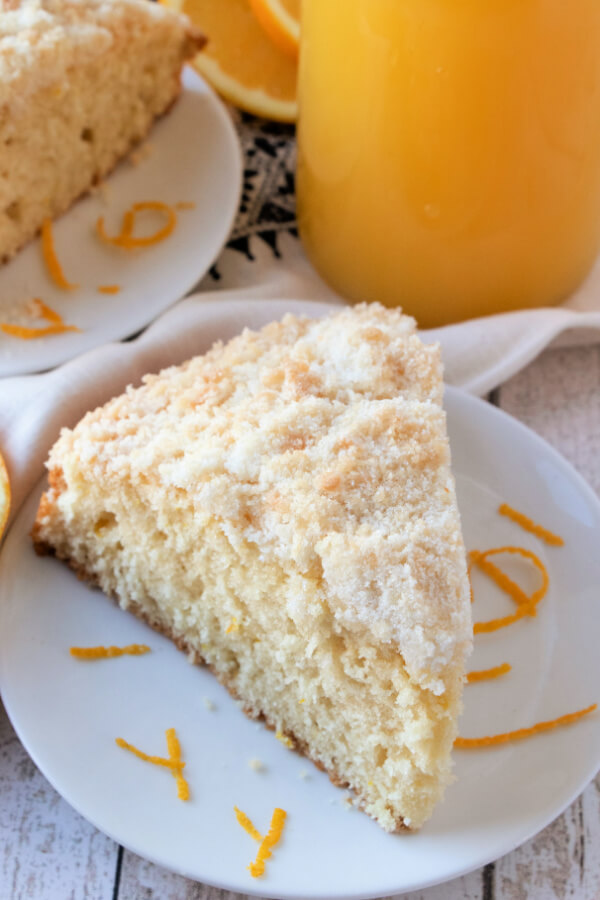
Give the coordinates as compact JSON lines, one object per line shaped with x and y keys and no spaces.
{"x":68,"y":713}
{"x":192,"y":155}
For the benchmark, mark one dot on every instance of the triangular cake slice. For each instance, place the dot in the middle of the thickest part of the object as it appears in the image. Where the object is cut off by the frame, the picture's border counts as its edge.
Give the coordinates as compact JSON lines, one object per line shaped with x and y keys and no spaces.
{"x":283,"y":508}
{"x":81,"y":82}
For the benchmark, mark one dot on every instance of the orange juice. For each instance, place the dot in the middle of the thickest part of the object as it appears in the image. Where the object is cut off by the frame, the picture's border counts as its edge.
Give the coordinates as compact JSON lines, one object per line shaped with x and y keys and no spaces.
{"x":449,"y":151}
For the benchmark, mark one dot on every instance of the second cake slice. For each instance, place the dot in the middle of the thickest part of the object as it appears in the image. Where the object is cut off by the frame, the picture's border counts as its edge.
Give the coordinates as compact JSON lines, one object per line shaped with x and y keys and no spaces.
{"x":81,"y":81}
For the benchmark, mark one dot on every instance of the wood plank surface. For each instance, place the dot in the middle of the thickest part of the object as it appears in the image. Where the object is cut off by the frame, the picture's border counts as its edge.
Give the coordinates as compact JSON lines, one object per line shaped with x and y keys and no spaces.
{"x":48,"y":852}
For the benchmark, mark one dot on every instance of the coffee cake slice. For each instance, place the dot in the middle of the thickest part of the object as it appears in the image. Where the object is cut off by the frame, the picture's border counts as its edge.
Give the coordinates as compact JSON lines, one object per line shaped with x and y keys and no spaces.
{"x":81,"y":82}
{"x":283,"y":508}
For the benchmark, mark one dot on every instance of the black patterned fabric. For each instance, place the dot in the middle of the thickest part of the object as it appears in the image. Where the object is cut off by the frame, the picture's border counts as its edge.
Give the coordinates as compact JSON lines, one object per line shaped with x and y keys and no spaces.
{"x":268,"y":203}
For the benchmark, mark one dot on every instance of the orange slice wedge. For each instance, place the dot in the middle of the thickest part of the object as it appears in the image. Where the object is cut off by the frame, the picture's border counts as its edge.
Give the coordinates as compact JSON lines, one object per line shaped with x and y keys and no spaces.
{"x":4,"y":496}
{"x":239,"y":60}
{"x":280,"y":19}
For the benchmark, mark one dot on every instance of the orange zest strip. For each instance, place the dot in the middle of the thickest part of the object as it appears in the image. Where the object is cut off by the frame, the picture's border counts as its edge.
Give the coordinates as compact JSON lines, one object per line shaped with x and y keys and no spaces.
{"x":174,"y":751}
{"x":109,"y":652}
{"x":271,"y":838}
{"x":247,"y":825}
{"x":233,"y":626}
{"x":527,"y":604}
{"x":50,"y":258}
{"x":126,"y":238}
{"x":109,"y":289}
{"x":46,"y":312}
{"x":485,"y":674}
{"x":529,"y":525}
{"x":173,"y":765}
{"x":520,"y":733}
{"x":183,"y":205}
{"x":28,"y":334}
{"x":56,"y":326}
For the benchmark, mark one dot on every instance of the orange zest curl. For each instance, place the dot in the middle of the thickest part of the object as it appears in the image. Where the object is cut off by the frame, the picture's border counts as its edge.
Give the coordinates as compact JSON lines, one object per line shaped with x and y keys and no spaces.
{"x":526,"y":604}
{"x":109,"y":652}
{"x":56,"y":326}
{"x":520,"y":733}
{"x":172,"y":764}
{"x":247,"y":825}
{"x":272,"y":837}
{"x":529,"y":525}
{"x":126,"y":238}
{"x":50,"y":258}
{"x":174,"y":751}
{"x":486,"y":674}
{"x":109,"y":289}
{"x":233,"y":626}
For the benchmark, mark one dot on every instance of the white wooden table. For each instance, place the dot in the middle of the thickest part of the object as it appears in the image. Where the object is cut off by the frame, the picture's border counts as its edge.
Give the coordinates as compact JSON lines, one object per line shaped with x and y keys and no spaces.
{"x":48,"y":852}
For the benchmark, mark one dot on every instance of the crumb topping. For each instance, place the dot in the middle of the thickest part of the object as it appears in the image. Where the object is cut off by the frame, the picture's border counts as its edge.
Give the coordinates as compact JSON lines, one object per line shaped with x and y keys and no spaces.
{"x":320,"y":439}
{"x":62,"y":34}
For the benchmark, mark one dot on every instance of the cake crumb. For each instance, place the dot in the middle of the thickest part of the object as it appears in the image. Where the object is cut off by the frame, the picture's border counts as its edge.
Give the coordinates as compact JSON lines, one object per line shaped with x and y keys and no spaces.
{"x":256,"y":765}
{"x":208,"y":704}
{"x":348,"y":802}
{"x":303,"y":774}
{"x":102,"y":191}
{"x":141,"y":153}
{"x":287,"y":741}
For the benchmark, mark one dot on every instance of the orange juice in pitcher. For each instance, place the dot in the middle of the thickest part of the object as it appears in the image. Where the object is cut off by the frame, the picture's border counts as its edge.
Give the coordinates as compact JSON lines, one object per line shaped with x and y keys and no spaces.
{"x":449,"y":151}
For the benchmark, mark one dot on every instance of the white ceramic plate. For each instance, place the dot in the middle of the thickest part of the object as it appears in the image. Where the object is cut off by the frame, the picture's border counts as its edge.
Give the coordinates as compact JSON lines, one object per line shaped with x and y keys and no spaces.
{"x":192,"y":155}
{"x":68,"y":713}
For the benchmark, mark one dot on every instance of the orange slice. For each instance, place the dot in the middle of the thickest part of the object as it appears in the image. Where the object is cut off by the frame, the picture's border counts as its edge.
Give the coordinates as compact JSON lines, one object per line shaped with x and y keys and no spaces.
{"x":4,"y":495}
{"x":280,"y":19}
{"x":239,"y":60}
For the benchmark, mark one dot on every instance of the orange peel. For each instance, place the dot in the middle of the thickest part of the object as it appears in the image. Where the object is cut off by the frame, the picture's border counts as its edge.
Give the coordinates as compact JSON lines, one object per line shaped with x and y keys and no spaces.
{"x":272,"y":837}
{"x":280,"y":20}
{"x":487,"y":674}
{"x":93,"y":653}
{"x":126,"y":237}
{"x":240,"y":60}
{"x":53,"y":265}
{"x":520,"y":733}
{"x":529,"y":525}
{"x":526,"y":603}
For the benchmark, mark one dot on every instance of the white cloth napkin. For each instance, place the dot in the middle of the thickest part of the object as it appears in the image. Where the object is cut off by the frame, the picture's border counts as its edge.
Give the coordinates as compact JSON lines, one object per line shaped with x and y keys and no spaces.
{"x":253,"y":289}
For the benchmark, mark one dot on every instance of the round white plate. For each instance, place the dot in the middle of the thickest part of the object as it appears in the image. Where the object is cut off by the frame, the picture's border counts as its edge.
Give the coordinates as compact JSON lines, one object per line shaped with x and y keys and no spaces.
{"x":192,"y":155}
{"x":68,"y":713}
